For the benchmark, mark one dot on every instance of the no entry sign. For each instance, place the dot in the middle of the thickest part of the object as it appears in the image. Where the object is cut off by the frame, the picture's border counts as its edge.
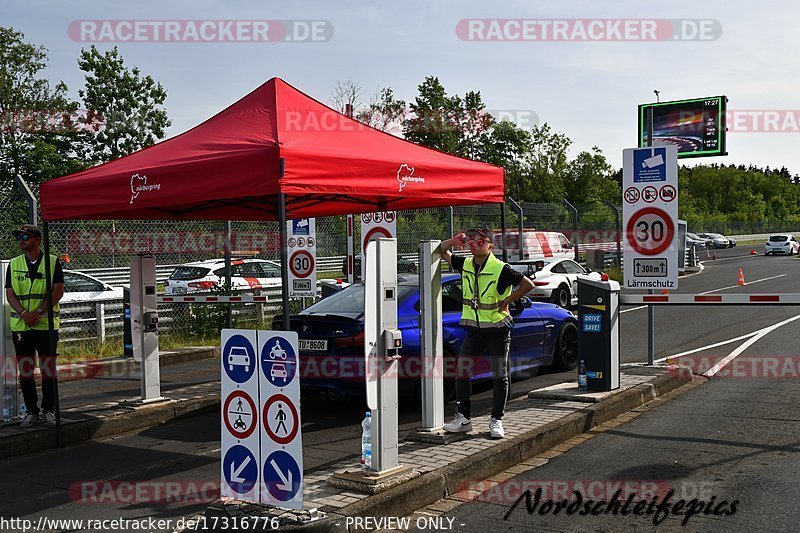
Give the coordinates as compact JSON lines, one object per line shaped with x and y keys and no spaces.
{"x":650,"y":217}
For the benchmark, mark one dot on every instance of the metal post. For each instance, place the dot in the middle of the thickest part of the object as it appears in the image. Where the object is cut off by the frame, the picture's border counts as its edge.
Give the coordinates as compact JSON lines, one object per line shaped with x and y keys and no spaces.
{"x":228,"y":282}
{"x":503,"y":230}
{"x":450,"y":222}
{"x":349,"y":270}
{"x":350,"y":259}
{"x":520,"y":217}
{"x":9,"y":379}
{"x":618,"y":216}
{"x":651,"y":328}
{"x":51,"y":326}
{"x":33,"y":203}
{"x":430,"y":287}
{"x":100,"y":321}
{"x":575,"y":236}
{"x":284,"y":259}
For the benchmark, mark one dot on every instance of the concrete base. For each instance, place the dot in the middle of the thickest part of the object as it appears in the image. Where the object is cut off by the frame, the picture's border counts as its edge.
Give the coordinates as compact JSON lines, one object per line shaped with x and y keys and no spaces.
{"x":364,"y":481}
{"x":568,"y":391}
{"x":436,"y":436}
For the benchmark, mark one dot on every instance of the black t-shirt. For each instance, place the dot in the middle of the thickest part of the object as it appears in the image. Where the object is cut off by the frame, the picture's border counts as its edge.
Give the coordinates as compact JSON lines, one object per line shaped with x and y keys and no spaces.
{"x":33,"y":270}
{"x":508,"y":276}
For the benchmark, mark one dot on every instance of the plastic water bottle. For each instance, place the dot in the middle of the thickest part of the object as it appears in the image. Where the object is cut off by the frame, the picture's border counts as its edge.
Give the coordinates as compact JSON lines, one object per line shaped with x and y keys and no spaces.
{"x":366,"y":440}
{"x":582,"y":381}
{"x":8,"y":406}
{"x":22,"y":411}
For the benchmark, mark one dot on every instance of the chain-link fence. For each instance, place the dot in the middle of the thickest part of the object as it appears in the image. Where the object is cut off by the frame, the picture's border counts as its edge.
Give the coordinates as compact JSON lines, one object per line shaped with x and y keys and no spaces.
{"x":92,"y":325}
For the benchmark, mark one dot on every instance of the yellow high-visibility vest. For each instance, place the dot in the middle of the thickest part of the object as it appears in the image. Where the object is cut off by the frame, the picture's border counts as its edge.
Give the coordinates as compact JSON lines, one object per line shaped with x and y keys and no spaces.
{"x":480,"y":299}
{"x":31,"y":293}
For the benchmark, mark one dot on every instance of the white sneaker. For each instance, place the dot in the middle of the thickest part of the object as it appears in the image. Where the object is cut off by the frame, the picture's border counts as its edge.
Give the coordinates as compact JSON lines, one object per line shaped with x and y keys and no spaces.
{"x":460,"y":424}
{"x":49,"y":418}
{"x":29,"y":421}
{"x":496,"y":430}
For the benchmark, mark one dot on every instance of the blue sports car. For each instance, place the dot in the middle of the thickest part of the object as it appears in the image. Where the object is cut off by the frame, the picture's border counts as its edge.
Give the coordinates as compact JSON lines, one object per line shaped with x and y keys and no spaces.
{"x":331,"y":336}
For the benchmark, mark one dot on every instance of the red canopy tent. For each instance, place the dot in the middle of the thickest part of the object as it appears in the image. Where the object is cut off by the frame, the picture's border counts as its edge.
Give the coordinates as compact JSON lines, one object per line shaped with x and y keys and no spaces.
{"x":235,"y":165}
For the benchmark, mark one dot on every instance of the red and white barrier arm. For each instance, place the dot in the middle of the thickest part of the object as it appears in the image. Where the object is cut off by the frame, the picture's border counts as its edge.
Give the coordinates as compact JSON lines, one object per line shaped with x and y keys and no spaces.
{"x":211,"y":299}
{"x":710,"y":299}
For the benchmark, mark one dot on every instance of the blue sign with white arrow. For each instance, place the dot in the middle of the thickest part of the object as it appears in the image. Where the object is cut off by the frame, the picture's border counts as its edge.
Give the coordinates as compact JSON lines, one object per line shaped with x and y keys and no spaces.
{"x":278,"y":361}
{"x":282,"y":476}
{"x":239,"y":358}
{"x":241,"y":469}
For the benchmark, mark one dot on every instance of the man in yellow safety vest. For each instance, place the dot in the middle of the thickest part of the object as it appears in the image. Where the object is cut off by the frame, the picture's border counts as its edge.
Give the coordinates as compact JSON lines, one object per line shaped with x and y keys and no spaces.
{"x":486,"y":291}
{"x":26,"y":292}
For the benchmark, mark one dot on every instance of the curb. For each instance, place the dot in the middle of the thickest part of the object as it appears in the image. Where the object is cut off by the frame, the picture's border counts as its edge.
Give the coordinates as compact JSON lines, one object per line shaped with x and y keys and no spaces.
{"x":125,"y":366}
{"x":404,"y":499}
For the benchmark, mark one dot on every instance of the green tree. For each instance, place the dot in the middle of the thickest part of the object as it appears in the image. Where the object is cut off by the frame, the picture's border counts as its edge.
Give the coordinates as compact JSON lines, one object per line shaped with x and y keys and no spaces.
{"x":38,"y":122}
{"x":508,"y":146}
{"x":383,"y":111}
{"x":451,"y":124}
{"x":130,"y":104}
{"x":590,"y":179}
{"x":549,"y":164}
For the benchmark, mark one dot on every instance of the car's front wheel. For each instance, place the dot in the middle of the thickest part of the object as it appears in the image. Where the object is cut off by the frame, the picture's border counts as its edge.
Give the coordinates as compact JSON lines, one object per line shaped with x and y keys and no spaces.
{"x":565,"y":353}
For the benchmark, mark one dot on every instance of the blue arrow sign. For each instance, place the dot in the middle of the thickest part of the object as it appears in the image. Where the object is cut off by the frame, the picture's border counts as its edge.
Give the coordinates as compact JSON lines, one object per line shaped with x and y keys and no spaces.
{"x":278,"y":361}
{"x":282,"y":476}
{"x":239,"y":358}
{"x":240,"y":468}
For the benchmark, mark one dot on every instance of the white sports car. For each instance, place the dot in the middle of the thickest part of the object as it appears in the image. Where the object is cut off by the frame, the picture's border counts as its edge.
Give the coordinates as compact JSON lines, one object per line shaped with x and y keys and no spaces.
{"x":554,"y":279}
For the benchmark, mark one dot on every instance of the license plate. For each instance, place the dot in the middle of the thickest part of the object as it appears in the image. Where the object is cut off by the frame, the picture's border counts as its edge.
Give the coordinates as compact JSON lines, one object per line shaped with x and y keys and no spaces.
{"x":308,"y":345}
{"x":179,"y":290}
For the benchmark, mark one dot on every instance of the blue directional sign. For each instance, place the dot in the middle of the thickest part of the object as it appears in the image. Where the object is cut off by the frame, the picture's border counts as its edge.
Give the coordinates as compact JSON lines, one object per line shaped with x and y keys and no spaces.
{"x":278,"y":361}
{"x":239,"y":359}
{"x":282,"y":476}
{"x":240,"y":468}
{"x":649,"y":164}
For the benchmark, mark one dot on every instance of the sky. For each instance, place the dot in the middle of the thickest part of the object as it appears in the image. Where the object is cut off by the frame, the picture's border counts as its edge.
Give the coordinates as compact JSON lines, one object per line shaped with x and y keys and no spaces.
{"x":586,"y":89}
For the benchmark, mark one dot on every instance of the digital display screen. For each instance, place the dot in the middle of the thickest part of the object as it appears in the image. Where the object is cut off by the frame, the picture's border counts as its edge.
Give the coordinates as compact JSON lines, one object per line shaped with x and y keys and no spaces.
{"x":696,"y":127}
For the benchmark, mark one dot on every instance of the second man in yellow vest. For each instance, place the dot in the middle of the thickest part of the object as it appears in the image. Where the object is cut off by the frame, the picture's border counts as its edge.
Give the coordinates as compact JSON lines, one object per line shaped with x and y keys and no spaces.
{"x":26,"y":293}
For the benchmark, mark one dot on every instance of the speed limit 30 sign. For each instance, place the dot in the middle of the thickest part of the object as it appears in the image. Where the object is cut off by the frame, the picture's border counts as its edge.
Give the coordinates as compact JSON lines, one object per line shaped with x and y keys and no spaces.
{"x":301,"y":242}
{"x":650,"y":217}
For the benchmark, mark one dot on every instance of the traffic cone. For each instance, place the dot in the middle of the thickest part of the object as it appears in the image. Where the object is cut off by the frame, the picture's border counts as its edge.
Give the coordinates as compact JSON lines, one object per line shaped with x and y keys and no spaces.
{"x":741,"y":278}
{"x":753,"y":252}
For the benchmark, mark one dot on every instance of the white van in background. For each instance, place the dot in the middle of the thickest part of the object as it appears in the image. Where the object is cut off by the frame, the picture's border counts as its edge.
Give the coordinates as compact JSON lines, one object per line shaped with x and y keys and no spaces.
{"x":535,"y":244}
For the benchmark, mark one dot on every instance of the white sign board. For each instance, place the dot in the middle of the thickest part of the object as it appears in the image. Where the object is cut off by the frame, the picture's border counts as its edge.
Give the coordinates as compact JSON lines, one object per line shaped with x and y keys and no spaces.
{"x":239,"y":401}
{"x":262,"y":450}
{"x":374,"y":226}
{"x":650,"y":217}
{"x":301,"y":241}
{"x":281,"y":462}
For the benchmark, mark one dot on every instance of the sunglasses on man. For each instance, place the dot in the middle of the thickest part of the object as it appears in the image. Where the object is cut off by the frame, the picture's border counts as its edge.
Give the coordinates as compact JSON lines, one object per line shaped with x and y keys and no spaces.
{"x":23,"y":237}
{"x":477,"y":242}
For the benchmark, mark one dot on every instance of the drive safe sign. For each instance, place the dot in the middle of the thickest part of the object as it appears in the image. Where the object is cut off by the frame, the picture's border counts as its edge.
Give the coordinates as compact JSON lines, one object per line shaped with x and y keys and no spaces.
{"x":650,"y":217}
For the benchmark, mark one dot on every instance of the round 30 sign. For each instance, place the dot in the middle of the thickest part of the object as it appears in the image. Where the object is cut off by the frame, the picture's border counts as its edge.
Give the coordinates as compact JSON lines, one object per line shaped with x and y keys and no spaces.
{"x":301,"y":263}
{"x":650,"y":231}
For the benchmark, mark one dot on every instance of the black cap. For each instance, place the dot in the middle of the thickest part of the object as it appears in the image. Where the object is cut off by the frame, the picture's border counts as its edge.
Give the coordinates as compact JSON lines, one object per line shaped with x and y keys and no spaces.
{"x":482,"y":232}
{"x":30,"y":229}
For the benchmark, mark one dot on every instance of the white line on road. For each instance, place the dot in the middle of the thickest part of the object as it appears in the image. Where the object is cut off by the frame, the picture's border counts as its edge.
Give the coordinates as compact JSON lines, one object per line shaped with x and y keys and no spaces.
{"x":738,"y":351}
{"x":709,"y":261}
{"x":704,"y":348}
{"x":748,"y":283}
{"x":633,"y":309}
